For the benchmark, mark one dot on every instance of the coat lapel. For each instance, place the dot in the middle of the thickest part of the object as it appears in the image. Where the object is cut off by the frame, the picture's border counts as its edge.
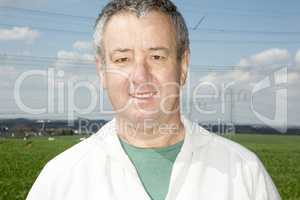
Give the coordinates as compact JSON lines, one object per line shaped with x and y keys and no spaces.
{"x":125,"y":181}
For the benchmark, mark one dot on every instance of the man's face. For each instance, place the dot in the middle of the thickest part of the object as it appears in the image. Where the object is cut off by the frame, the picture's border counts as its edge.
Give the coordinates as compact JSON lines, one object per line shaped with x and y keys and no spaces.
{"x":142,"y":74}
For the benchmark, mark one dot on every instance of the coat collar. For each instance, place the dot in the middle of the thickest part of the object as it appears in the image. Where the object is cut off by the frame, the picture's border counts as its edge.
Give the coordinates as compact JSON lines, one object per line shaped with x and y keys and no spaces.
{"x":195,"y":137}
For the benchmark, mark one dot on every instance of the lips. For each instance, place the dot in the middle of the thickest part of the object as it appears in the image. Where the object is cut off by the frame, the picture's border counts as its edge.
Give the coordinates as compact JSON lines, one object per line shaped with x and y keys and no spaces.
{"x":144,"y":95}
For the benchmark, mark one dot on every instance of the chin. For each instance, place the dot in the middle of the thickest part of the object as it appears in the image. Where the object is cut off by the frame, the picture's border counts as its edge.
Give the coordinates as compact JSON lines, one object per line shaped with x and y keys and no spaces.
{"x":138,"y":117}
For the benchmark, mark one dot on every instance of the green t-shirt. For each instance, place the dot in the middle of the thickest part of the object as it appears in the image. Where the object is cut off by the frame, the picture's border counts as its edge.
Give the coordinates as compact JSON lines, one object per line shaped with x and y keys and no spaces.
{"x":154,"y":166}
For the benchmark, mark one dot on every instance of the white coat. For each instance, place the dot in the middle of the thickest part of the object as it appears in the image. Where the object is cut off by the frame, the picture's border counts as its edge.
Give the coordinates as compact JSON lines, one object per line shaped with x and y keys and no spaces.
{"x":208,"y":167}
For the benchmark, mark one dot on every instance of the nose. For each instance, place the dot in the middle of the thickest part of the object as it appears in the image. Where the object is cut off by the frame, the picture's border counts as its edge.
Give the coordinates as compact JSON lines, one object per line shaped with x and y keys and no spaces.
{"x":141,"y":73}
{"x":141,"y":77}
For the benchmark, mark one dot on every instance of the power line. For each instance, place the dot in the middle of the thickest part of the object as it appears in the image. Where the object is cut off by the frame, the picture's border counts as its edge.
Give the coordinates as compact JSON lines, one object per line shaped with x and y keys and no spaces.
{"x":23,"y":59}
{"x":232,"y":31}
{"x":48,"y":65}
{"x":261,"y":42}
{"x":35,"y":61}
{"x":31,"y":18}
{"x":48,"y":29}
{"x":47,"y":12}
{"x":47,"y":113}
{"x":199,"y":68}
{"x":44,"y":58}
{"x":198,"y":24}
{"x":192,"y":67}
{"x":255,"y":12}
{"x":252,"y":15}
{"x":208,"y":11}
{"x":218,"y":31}
{"x":214,"y":30}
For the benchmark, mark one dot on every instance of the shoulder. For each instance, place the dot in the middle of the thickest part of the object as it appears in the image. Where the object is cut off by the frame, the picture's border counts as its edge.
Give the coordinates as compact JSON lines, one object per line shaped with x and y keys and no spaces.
{"x":233,"y":148}
{"x":75,"y":165}
{"x":216,"y":147}
{"x":73,"y":154}
{"x":83,"y":152}
{"x":242,"y":161}
{"x":74,"y":157}
{"x":219,"y":155}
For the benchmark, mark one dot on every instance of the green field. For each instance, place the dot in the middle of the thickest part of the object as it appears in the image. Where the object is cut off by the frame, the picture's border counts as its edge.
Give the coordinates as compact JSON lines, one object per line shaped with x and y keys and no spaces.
{"x":21,"y":161}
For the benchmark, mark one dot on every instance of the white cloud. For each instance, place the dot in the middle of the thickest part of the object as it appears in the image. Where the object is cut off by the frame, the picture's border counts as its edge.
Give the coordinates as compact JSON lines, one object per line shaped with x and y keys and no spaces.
{"x":70,"y":60}
{"x":19,"y":33}
{"x":297,"y":58}
{"x":211,"y":77}
{"x":235,"y":76}
{"x":8,"y":71}
{"x":260,"y":65}
{"x":239,"y":75}
{"x":7,"y":74}
{"x":268,"y":57}
{"x":76,"y":66}
{"x":82,"y":45}
{"x":293,"y":77}
{"x":75,"y":56}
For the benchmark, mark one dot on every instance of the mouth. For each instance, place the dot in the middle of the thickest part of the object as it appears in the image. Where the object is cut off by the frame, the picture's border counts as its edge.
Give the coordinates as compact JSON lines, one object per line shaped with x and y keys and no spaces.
{"x":143,"y":95}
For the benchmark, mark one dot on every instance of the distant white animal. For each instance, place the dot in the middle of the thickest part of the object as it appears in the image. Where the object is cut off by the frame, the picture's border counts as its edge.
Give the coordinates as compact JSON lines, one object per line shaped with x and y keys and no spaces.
{"x":51,"y":138}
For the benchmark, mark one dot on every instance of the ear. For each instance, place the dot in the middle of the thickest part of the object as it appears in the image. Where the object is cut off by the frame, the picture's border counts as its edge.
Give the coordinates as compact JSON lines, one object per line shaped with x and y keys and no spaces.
{"x":101,"y":71}
{"x":184,"y":66}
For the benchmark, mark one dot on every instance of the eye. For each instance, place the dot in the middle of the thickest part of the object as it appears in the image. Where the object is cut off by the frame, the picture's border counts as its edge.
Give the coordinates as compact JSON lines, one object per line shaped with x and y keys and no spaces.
{"x":157,"y":57}
{"x":121,"y":60}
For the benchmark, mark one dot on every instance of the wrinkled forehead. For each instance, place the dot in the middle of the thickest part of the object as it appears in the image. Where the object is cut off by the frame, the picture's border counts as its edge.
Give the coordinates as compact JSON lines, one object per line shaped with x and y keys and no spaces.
{"x":128,"y":30}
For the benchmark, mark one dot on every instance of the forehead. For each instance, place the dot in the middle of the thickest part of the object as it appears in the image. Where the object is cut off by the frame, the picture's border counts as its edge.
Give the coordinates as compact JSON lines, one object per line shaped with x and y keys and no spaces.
{"x":126,"y":30}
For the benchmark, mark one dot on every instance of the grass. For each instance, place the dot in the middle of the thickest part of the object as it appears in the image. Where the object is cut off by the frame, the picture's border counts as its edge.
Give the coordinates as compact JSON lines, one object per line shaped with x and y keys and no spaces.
{"x":281,"y":157}
{"x":21,"y":161}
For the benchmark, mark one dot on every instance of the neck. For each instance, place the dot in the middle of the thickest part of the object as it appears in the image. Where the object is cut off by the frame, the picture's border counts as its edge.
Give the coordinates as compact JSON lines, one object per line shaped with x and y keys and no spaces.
{"x":151,"y":134}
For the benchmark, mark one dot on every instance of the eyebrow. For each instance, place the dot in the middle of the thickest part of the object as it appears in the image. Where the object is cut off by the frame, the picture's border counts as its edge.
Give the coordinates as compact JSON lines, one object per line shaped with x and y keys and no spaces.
{"x":159,"y":48}
{"x":120,"y":50}
{"x":123,"y":50}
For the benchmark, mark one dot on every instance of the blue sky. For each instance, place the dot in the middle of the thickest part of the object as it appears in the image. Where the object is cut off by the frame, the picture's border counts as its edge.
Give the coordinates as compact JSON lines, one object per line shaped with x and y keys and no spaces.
{"x":260,"y":34}
{"x":264,"y":16}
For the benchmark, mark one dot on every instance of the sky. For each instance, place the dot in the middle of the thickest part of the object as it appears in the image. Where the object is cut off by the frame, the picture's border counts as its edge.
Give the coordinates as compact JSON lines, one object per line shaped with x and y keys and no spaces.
{"x":241,"y":52}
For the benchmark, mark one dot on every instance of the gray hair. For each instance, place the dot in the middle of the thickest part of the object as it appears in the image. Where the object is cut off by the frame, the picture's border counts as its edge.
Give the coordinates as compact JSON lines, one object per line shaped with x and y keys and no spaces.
{"x":140,"y":8}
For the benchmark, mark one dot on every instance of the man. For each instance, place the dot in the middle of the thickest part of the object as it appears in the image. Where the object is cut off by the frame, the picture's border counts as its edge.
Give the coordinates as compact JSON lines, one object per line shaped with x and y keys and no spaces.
{"x":149,"y":151}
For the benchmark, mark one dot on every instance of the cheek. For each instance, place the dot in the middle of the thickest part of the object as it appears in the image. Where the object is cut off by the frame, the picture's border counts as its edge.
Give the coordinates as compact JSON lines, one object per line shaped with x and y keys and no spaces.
{"x":170,"y":82}
{"x":116,"y":81}
{"x":117,"y":89}
{"x":169,"y":79}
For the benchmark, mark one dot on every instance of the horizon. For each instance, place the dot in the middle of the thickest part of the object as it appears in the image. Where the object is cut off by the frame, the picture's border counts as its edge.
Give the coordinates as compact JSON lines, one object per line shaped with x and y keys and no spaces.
{"x":237,"y":48}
